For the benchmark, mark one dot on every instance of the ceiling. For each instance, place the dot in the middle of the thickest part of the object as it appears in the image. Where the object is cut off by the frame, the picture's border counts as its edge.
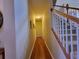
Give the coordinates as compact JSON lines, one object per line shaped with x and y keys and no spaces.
{"x":38,"y":7}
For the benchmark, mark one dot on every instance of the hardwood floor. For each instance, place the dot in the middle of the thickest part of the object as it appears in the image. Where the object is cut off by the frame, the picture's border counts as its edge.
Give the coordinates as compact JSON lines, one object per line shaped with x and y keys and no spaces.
{"x":40,"y":50}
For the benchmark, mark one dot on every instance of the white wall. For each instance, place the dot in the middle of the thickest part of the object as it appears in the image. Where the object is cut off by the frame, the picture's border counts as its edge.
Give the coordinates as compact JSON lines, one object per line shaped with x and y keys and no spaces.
{"x":7,"y":33}
{"x":1,"y":1}
{"x":1,"y":30}
{"x":55,"y":48}
{"x":22,"y":28}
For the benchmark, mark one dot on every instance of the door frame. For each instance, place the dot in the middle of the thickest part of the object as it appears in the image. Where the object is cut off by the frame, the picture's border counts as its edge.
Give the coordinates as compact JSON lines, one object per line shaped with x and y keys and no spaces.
{"x":39,"y":19}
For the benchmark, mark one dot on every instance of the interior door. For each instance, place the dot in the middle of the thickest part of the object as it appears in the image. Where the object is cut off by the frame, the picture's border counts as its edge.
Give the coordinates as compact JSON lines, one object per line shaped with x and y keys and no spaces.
{"x":39,"y":27}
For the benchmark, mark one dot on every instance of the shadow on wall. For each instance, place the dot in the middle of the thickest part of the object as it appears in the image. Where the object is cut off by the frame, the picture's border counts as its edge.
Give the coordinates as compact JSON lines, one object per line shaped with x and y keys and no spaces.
{"x":1,"y":20}
{"x":1,"y":24}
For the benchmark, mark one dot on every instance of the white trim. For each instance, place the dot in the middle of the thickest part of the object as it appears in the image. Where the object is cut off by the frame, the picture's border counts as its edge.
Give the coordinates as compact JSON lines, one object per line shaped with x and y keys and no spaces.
{"x":48,"y":49}
{"x":32,"y":48}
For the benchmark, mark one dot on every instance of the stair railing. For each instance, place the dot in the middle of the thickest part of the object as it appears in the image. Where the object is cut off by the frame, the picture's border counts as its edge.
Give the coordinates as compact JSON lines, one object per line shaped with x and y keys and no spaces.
{"x":65,"y":26}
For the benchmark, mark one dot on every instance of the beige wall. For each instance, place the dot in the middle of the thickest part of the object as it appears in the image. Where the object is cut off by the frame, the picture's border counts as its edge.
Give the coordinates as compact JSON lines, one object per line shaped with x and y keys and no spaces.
{"x":37,"y":8}
{"x":40,"y":7}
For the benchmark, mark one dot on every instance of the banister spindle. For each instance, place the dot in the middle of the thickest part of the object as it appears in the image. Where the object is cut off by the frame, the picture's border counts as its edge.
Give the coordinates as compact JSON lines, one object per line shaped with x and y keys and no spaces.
{"x":54,"y":22}
{"x":77,"y":31}
{"x":54,"y":18}
{"x":67,"y":49}
{"x":63,"y":42}
{"x":72,"y":52}
{"x":66,"y":37}
{"x":60,"y":21}
{"x":58,"y":26}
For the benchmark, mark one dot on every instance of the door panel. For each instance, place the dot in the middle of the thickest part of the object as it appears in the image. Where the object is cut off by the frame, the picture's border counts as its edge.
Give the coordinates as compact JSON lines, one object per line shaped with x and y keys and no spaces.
{"x":39,"y":27}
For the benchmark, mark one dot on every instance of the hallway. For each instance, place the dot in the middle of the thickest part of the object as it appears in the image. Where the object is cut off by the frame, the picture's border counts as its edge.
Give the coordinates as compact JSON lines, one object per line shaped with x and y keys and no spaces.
{"x":40,"y":50}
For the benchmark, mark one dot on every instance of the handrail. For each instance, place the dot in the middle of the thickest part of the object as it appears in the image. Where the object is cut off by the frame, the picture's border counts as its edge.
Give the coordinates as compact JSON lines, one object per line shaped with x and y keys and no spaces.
{"x":66,"y":7}
{"x":2,"y":52}
{"x":63,"y":49}
{"x":67,"y":17}
{"x":75,"y":19}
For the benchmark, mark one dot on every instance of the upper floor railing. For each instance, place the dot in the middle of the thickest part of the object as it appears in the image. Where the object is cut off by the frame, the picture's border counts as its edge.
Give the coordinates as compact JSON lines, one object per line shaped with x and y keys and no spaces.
{"x":65,"y":25}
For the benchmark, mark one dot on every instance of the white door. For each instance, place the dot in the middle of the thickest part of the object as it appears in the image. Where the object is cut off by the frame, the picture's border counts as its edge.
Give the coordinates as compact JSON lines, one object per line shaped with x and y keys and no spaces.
{"x":38,"y":23}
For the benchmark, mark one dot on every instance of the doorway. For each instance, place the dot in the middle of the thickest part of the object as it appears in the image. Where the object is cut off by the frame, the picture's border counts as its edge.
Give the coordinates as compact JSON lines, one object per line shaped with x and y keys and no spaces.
{"x":38,"y":22}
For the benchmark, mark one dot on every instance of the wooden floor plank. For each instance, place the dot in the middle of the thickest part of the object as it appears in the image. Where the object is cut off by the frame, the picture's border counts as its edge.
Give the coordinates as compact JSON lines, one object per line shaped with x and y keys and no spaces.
{"x":40,"y":50}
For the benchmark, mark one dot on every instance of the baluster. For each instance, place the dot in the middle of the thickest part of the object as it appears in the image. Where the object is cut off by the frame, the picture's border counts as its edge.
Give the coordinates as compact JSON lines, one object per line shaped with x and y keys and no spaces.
{"x":66,"y":37}
{"x":67,"y":49}
{"x":60,"y":21}
{"x":54,"y":21}
{"x":78,"y":13}
{"x":51,"y":17}
{"x":58,"y":25}
{"x":77,"y":31}
{"x":72,"y":52}
{"x":63,"y":32}
{"x":55,"y":25}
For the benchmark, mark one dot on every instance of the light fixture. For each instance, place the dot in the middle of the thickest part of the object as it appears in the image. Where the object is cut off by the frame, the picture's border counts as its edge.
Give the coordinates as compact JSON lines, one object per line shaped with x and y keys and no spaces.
{"x":38,"y":17}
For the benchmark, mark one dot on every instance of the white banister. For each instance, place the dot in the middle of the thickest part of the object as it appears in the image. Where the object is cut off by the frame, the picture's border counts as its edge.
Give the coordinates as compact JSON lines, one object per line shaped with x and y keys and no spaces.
{"x":67,"y":50}
{"x":54,"y":21}
{"x":60,"y":30}
{"x":77,"y":41}
{"x":57,"y":29}
{"x":58,"y":23}
{"x":77,"y":33}
{"x":63,"y":32}
{"x":72,"y":53}
{"x":66,"y":27}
